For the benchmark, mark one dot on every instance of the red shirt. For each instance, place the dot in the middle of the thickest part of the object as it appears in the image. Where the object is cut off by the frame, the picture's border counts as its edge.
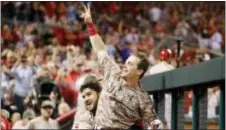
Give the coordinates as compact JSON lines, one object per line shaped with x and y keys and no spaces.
{"x":68,"y":91}
{"x":50,"y":8}
{"x":69,"y":94}
{"x":5,"y":124}
{"x":80,"y":38}
{"x":15,"y":37}
{"x":60,"y":34}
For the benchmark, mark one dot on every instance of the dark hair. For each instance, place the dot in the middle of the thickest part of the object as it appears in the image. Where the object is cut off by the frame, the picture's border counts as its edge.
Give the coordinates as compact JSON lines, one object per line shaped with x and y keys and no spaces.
{"x":56,"y":90}
{"x":143,"y":64}
{"x":23,"y":58}
{"x":92,"y":85}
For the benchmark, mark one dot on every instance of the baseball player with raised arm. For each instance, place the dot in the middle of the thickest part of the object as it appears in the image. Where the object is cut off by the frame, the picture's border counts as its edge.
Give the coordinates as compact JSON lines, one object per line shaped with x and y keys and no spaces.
{"x":122,"y":101}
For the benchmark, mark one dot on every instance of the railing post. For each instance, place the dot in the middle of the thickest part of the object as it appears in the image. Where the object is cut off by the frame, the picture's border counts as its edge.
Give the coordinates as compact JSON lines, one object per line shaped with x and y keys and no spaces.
{"x":177,"y":109}
{"x":222,"y":107}
{"x":155,"y":100}
{"x":203,"y":107}
{"x":195,"y":110}
{"x":174,"y":110}
{"x":159,"y":104}
{"x":180,"y":108}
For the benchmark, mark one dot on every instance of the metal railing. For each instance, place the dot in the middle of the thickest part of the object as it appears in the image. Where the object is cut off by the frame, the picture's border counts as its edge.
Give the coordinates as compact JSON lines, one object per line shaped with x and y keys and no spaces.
{"x":198,"y":78}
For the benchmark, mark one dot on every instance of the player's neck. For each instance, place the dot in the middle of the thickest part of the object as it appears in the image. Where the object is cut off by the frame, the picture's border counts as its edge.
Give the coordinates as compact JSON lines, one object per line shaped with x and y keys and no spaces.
{"x":133,"y":81}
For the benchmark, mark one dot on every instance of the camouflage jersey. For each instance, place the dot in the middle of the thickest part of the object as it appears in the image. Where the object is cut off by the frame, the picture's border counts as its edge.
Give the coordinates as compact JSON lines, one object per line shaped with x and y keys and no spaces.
{"x":120,"y":105}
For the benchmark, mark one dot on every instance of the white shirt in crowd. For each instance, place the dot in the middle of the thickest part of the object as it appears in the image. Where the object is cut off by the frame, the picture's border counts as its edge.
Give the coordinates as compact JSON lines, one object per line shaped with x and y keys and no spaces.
{"x":40,"y":123}
{"x":213,"y":102}
{"x":132,"y":38}
{"x":23,"y":80}
{"x":161,"y":67}
{"x":20,"y":125}
{"x":215,"y":41}
{"x":155,"y":14}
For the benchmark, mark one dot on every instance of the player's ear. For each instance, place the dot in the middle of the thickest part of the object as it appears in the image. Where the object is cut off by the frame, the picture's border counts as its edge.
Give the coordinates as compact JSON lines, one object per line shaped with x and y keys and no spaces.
{"x":140,"y":71}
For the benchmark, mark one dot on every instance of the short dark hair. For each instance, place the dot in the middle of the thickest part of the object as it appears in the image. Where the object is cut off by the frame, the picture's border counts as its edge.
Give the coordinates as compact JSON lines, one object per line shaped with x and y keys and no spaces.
{"x":92,"y":85}
{"x":144,"y":62}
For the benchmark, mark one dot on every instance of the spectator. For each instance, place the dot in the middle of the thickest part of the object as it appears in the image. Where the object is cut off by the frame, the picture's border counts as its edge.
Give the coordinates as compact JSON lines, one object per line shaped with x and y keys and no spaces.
{"x":23,"y":76}
{"x":15,"y":117}
{"x":155,"y":14}
{"x":164,"y":63}
{"x":8,"y":102}
{"x":28,"y":115}
{"x":133,"y":36}
{"x":215,"y":39}
{"x":69,"y":93}
{"x":55,"y":97}
{"x":44,"y":121}
{"x":5,"y":124}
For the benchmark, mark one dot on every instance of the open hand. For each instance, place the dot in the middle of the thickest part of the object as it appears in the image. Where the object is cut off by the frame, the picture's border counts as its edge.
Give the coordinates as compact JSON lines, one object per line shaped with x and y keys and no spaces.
{"x":86,"y":15}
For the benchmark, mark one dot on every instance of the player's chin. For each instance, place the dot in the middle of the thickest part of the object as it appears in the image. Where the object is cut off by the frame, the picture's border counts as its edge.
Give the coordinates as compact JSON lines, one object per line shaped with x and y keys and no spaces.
{"x":89,"y":107}
{"x":123,"y":74}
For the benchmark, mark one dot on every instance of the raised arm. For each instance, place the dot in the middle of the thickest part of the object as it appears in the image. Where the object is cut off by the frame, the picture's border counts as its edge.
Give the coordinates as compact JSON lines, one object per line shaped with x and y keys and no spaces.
{"x":111,"y":69}
{"x":95,"y":39}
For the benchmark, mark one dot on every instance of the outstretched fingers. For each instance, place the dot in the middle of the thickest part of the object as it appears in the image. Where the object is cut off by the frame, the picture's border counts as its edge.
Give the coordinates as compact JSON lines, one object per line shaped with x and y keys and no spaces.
{"x":88,"y":8}
{"x":85,"y":8}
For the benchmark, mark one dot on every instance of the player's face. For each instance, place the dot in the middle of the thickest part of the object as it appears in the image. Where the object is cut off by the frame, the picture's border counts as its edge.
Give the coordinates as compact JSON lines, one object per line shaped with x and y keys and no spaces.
{"x":130,"y":67}
{"x":90,"y":98}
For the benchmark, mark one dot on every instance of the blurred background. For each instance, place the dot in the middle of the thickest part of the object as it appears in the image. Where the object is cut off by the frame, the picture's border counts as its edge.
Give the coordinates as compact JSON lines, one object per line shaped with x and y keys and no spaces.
{"x":51,"y":43}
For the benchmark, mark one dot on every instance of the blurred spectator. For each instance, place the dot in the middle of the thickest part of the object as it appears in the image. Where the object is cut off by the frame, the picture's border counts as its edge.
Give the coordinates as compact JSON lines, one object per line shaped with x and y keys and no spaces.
{"x":164,"y":62}
{"x":44,"y":121}
{"x":55,"y":97}
{"x":5,"y":124}
{"x":213,"y":102}
{"x":22,"y":73}
{"x":69,"y":93}
{"x":6,"y":6}
{"x":28,"y":115}
{"x":155,"y":14}
{"x":132,"y":36}
{"x":36,"y":13}
{"x":215,"y":39}
{"x":8,"y":102}
{"x":5,"y":33}
{"x":15,"y":117}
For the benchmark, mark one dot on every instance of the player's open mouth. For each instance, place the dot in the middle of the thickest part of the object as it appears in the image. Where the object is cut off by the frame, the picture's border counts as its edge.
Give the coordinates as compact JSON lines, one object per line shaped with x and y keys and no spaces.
{"x":124,"y":70}
{"x":88,"y":103}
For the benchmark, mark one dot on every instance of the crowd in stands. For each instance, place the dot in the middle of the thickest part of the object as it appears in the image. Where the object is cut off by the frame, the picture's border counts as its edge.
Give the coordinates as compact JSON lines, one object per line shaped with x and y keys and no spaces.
{"x":45,"y":48}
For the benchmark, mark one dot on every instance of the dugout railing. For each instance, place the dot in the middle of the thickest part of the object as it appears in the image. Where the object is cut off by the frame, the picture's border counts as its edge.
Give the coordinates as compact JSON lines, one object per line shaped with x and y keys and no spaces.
{"x":199,"y":78}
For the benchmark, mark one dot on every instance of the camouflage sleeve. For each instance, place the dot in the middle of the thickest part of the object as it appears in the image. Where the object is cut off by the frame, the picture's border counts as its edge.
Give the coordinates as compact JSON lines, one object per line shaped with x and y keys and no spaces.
{"x":84,"y":121}
{"x":110,"y":67}
{"x":147,"y":111}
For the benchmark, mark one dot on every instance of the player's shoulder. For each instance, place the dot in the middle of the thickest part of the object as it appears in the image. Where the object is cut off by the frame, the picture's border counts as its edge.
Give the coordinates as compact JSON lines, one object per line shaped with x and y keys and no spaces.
{"x":85,"y":114}
{"x":84,"y":117}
